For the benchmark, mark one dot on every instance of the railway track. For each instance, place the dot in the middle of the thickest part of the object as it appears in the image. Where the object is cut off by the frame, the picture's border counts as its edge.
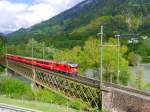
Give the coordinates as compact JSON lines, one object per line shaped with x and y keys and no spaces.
{"x":10,"y":108}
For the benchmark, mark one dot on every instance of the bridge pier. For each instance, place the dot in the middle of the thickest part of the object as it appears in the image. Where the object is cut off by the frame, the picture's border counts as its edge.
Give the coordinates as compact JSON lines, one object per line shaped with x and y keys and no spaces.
{"x":106,"y":99}
{"x":122,"y":99}
{"x":34,"y":86}
{"x":9,"y":72}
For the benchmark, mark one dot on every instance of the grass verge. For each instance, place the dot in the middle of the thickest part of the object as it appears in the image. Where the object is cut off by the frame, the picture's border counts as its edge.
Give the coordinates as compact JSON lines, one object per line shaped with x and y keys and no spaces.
{"x":17,"y":89}
{"x":44,"y":107}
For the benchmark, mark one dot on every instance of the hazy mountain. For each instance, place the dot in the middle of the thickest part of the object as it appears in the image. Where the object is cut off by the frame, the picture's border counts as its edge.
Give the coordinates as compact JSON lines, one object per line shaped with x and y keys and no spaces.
{"x":75,"y":25}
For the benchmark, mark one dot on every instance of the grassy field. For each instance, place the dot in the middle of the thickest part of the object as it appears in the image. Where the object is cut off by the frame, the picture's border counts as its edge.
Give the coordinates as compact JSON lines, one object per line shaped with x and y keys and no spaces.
{"x":44,"y":107}
{"x":42,"y":99}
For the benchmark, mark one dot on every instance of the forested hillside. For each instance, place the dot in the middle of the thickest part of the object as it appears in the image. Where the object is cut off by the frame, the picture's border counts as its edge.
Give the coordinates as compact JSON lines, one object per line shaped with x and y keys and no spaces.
{"x":75,"y":25}
{"x":72,"y":36}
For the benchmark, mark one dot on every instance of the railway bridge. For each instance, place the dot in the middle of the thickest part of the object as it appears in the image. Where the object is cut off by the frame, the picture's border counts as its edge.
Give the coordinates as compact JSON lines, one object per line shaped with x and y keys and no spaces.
{"x":114,"y":97}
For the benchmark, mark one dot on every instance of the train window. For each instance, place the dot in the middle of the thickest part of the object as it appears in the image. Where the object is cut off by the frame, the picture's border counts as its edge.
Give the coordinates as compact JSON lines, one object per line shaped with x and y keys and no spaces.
{"x":46,"y":63}
{"x":73,"y":65}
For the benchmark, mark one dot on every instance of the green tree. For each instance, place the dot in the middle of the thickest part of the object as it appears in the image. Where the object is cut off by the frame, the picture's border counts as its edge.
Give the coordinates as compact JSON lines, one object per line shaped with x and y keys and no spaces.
{"x":1,"y":44}
{"x":88,"y":57}
{"x":144,"y":48}
{"x":133,"y":23}
{"x":140,"y":78}
{"x":1,"y":50}
{"x":134,"y":59}
{"x":26,"y":49}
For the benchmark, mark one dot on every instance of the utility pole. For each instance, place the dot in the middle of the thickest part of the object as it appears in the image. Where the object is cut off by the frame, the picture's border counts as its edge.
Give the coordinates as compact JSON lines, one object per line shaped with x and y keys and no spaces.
{"x":101,"y":56}
{"x":43,"y":50}
{"x":118,"y":57}
{"x":5,"y":47}
{"x":101,"y":67}
{"x":33,"y":69}
{"x":32,"y":49}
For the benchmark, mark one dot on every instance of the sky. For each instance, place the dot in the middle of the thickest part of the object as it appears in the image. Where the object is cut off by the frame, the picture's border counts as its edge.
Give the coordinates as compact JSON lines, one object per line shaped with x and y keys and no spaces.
{"x":16,"y":14}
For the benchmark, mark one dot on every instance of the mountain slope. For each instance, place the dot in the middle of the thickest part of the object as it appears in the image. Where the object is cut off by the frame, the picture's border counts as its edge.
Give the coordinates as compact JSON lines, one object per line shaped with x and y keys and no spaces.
{"x":75,"y":25}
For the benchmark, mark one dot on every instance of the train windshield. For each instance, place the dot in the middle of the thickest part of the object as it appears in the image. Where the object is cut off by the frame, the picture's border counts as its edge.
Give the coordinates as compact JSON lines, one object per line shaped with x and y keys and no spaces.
{"x":73,"y":65}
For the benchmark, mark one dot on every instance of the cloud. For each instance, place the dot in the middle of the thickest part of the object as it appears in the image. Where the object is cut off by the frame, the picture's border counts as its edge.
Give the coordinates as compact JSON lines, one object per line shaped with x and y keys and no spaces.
{"x":18,"y":15}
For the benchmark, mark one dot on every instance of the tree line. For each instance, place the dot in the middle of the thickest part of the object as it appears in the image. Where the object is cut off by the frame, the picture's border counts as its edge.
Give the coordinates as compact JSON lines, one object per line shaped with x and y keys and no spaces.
{"x":87,"y":57}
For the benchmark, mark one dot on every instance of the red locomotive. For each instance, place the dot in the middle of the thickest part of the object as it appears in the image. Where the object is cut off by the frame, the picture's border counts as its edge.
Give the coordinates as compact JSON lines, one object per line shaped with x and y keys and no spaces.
{"x":65,"y":68}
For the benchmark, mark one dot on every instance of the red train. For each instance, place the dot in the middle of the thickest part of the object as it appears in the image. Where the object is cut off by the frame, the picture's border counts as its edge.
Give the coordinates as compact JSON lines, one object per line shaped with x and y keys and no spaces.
{"x":65,"y":68}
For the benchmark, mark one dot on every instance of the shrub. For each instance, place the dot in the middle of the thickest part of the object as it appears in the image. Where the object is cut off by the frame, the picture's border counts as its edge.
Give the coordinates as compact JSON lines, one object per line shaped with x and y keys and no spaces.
{"x":134,"y":59}
{"x":77,"y":104}
{"x":48,"y":96}
{"x":1,"y":69}
{"x":147,"y":86}
{"x":14,"y":88}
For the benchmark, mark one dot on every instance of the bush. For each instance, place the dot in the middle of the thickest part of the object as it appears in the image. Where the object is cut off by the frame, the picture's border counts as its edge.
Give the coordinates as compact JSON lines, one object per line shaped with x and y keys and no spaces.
{"x":77,"y":104}
{"x":47,"y":96}
{"x":15,"y":88}
{"x":1,"y":69}
{"x":134,"y":59}
{"x":147,"y":86}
